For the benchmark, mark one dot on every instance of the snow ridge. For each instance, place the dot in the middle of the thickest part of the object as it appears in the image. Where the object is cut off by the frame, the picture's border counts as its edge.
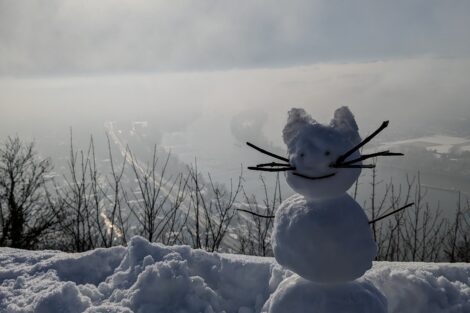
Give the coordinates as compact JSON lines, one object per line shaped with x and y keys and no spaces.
{"x":147,"y":277}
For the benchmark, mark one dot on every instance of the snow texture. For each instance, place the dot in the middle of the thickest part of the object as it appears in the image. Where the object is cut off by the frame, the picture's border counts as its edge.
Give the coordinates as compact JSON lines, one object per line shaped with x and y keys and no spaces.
{"x":321,"y":233}
{"x":312,"y":147}
{"x":146,"y":277}
{"x":326,"y":241}
{"x":295,"y":294}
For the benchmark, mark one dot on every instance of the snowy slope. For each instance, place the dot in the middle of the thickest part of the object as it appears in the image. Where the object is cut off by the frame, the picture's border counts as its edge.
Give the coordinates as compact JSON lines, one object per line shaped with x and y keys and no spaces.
{"x":153,"y":278}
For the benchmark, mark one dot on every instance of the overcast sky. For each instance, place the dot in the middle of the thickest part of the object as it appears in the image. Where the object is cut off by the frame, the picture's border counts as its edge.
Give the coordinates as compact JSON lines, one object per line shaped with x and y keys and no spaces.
{"x":109,"y":36}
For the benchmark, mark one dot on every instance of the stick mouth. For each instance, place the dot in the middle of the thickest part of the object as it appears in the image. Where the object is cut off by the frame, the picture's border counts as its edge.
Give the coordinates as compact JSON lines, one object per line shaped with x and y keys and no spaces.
{"x":314,"y":177}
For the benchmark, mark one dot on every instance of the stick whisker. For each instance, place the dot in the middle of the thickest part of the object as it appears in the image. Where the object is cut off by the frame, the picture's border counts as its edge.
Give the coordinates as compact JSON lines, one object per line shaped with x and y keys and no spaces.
{"x":274,"y":164}
{"x":267,"y":152}
{"x":343,"y":157}
{"x":372,"y":155}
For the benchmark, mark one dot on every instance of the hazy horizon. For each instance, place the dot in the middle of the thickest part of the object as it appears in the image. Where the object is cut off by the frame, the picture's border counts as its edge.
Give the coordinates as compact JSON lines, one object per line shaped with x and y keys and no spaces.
{"x":173,"y":102}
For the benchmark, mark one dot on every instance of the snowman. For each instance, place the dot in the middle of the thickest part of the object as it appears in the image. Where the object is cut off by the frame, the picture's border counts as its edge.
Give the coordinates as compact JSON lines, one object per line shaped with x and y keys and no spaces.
{"x":321,"y":233}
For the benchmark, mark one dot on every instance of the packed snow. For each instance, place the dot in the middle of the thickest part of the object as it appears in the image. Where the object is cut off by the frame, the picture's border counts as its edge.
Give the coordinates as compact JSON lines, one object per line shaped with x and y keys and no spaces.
{"x":148,"y":277}
{"x":298,"y":295}
{"x":321,"y":233}
{"x":312,"y":147}
{"x":331,"y":242}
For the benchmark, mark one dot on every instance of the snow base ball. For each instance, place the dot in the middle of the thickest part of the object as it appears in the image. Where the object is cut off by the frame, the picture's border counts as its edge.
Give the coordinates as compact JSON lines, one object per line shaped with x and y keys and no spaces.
{"x":298,"y":295}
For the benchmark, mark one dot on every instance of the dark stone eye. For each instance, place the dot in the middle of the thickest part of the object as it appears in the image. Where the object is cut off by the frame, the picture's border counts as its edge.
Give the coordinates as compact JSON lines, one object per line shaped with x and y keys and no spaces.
{"x":327,"y":152}
{"x":302,"y":155}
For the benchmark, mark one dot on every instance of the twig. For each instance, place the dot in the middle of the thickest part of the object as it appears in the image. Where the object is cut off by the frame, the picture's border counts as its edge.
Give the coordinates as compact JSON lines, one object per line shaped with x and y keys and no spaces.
{"x":256,"y":214}
{"x":273,"y":164}
{"x":263,"y":169}
{"x":353,"y":166}
{"x":311,"y":177}
{"x":268,"y":153}
{"x":342,"y":158}
{"x":370,"y":222}
{"x":391,"y":213}
{"x":372,"y":155}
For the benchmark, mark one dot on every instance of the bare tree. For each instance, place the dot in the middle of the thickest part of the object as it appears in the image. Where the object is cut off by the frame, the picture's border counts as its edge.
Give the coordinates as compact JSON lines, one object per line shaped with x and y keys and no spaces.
{"x":89,"y":203}
{"x":462,"y":245}
{"x":110,"y":219}
{"x":457,"y":243}
{"x":422,"y":229}
{"x":75,"y":201}
{"x":212,"y":210}
{"x":96,"y":206}
{"x":376,"y":209}
{"x":417,"y":234}
{"x":254,"y":231}
{"x":155,"y":201}
{"x":179,"y":213}
{"x":24,"y":212}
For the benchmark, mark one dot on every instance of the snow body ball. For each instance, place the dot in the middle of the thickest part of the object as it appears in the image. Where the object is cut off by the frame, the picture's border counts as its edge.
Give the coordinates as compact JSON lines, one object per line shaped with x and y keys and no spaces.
{"x":326,"y":241}
{"x":321,"y":233}
{"x":298,"y":295}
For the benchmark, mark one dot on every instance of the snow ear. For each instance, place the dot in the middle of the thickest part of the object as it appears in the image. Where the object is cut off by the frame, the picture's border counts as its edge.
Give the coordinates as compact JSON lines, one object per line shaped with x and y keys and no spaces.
{"x":344,"y":121}
{"x":296,"y":120}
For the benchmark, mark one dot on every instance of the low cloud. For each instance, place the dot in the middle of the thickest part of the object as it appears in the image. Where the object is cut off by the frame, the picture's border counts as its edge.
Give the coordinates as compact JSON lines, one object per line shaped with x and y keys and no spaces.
{"x":107,"y":36}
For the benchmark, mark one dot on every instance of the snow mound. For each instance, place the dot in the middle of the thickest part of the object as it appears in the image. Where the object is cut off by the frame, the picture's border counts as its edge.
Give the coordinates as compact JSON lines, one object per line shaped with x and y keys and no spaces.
{"x":147,"y":277}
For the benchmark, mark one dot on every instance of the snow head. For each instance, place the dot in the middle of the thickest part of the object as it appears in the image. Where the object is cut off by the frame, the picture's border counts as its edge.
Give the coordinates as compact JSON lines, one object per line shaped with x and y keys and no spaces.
{"x":313,"y":149}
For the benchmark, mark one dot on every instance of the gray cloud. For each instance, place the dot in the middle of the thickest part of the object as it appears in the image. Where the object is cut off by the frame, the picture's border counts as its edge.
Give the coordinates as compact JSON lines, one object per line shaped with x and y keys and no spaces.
{"x":67,"y":36}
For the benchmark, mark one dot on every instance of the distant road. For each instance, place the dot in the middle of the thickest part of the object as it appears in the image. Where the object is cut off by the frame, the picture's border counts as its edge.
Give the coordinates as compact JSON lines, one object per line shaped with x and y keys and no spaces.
{"x":111,"y":130}
{"x":229,"y":239}
{"x":451,"y":190}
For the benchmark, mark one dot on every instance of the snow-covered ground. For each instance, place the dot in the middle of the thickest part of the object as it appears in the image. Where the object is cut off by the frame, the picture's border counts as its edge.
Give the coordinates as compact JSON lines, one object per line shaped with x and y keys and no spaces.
{"x":437,"y":143}
{"x":147,"y":277}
